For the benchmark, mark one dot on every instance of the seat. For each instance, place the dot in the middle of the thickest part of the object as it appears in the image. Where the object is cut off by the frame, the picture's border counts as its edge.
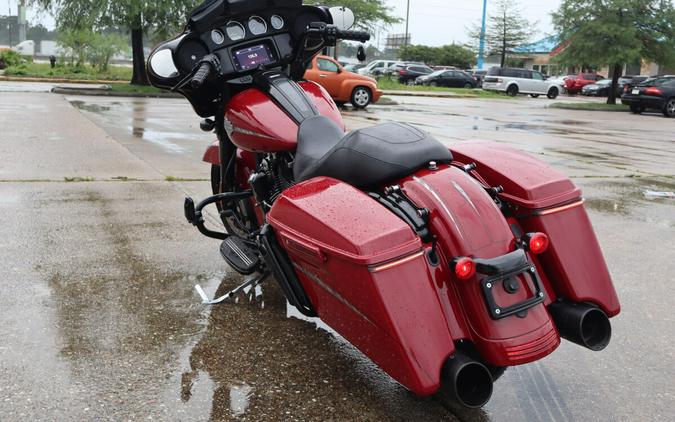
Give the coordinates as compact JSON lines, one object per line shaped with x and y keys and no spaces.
{"x":366,"y":157}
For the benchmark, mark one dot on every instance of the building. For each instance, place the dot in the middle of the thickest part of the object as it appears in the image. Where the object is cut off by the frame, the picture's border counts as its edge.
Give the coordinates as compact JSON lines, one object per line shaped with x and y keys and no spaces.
{"x":539,"y":56}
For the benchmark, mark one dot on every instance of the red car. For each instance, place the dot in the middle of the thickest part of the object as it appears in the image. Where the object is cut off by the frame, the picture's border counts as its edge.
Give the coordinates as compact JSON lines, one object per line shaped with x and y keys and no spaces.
{"x":573,"y":85}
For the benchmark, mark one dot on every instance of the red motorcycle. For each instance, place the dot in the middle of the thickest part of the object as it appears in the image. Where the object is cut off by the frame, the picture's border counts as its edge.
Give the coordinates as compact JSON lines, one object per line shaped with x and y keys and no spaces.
{"x":442,"y":265}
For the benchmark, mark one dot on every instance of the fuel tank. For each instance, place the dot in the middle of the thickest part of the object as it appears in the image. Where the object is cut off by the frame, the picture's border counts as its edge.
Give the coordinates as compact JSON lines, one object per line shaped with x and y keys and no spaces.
{"x":256,"y":123}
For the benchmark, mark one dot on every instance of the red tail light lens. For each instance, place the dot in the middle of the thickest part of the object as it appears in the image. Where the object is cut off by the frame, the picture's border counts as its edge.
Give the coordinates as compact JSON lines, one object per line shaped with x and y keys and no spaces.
{"x":537,"y":242}
{"x":465,"y":268}
{"x":653,"y":91}
{"x":402,"y":72}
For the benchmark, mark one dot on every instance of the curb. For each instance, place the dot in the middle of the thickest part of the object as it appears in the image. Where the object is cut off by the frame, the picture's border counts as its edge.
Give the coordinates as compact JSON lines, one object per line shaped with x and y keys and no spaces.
{"x":110,"y":93}
{"x":591,"y":110}
{"x":57,"y":81}
{"x":426,"y":94}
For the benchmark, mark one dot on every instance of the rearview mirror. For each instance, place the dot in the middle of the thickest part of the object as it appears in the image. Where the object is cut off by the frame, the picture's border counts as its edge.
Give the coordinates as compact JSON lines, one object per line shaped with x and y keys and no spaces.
{"x":361,"y":54}
{"x":343,"y":17}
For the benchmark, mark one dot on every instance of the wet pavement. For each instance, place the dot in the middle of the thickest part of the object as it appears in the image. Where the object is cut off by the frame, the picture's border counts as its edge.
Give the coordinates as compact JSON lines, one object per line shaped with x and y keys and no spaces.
{"x":99,"y":319}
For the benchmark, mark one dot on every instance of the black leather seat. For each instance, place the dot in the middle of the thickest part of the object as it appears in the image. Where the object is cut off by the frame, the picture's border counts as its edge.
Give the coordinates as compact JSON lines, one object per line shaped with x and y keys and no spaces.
{"x":366,"y":157}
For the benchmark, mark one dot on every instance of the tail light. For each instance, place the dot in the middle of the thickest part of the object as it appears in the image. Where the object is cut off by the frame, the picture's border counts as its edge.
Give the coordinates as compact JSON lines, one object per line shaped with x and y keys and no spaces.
{"x":653,"y":91}
{"x":465,"y":268}
{"x":626,"y":88}
{"x":536,"y":242}
{"x":402,"y":72}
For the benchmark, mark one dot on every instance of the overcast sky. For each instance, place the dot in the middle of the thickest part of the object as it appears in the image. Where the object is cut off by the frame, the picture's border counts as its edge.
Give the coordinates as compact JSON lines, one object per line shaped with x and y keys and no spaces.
{"x":432,"y":22}
{"x":438,"y":22}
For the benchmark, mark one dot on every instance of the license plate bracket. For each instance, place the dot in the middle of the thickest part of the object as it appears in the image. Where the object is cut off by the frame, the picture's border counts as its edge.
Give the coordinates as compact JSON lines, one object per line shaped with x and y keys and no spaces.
{"x":500,"y":269}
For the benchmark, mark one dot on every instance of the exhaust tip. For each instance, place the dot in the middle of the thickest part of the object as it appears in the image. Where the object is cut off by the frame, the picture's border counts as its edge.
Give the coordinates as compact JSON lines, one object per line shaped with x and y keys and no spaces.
{"x":474,"y":385}
{"x":596,"y":331}
{"x":466,"y":382}
{"x":582,"y":324}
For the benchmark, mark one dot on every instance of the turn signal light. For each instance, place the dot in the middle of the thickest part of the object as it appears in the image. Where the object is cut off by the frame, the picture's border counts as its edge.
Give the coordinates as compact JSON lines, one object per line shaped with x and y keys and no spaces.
{"x":465,"y":268}
{"x":537,"y":242}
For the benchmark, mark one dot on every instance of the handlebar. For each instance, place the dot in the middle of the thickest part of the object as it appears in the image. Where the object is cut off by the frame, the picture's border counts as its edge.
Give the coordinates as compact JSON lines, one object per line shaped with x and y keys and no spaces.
{"x":360,"y":36}
{"x":207,"y":65}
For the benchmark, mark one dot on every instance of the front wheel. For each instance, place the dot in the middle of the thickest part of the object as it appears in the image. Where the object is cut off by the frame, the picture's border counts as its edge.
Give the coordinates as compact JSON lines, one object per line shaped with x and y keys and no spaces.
{"x":433,"y":84}
{"x":361,"y":97}
{"x":240,"y":219}
{"x":669,"y":108}
{"x":468,"y":86}
{"x":553,"y":93}
{"x":512,"y":91}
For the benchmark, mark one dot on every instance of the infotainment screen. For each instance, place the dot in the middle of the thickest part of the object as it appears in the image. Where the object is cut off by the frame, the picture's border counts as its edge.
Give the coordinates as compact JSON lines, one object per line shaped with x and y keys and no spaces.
{"x":252,"y":57}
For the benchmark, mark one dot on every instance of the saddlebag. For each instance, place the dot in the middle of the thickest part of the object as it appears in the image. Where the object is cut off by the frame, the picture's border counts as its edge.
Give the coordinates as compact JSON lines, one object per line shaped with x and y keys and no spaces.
{"x":544,"y":200}
{"x":363,"y":268}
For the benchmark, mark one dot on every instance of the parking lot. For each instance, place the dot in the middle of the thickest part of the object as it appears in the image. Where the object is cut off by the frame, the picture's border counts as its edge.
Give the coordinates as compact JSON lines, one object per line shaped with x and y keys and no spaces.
{"x":99,"y":319}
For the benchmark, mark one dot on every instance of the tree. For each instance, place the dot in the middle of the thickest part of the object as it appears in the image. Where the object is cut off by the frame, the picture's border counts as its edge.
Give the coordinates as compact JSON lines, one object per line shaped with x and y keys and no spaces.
{"x":447,"y":55}
{"x":506,"y":29}
{"x":136,"y":16}
{"x":615,"y":32}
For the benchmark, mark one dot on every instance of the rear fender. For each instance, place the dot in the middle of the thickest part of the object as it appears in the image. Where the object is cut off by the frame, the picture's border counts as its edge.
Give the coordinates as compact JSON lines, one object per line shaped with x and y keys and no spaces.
{"x":467,"y":222}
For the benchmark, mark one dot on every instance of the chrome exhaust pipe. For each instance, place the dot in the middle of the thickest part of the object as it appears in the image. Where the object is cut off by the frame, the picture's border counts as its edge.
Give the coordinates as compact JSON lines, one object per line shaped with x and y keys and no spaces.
{"x":465,"y":381}
{"x":582,"y":324}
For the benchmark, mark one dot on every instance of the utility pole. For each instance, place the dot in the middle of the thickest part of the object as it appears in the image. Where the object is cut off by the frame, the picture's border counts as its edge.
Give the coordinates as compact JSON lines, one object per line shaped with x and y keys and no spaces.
{"x":9,"y":22}
{"x":481,"y":48}
{"x":21,"y":18}
{"x":407,"y":18}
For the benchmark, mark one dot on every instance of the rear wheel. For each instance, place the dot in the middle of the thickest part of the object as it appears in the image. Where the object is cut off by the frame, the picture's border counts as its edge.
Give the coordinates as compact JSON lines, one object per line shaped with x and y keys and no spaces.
{"x":512,"y":91}
{"x":361,"y":97}
{"x":534,"y":95}
{"x":669,"y":108}
{"x":553,"y":93}
{"x":636,"y":109}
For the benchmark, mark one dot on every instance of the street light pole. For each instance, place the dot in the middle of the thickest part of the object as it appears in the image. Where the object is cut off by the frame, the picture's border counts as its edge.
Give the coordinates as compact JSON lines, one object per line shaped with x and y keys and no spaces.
{"x":407,"y":18}
{"x":481,"y":48}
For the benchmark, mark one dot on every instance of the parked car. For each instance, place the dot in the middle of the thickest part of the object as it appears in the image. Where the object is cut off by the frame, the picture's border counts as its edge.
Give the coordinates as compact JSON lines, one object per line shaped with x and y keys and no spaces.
{"x":409,"y":73}
{"x":479,"y":75}
{"x":514,"y":81}
{"x":376,"y":67}
{"x":449,"y":78}
{"x":634,"y":81}
{"x":603,"y":87}
{"x":342,"y":85}
{"x":657,"y":93}
{"x":354,"y":67}
{"x":575,"y":85}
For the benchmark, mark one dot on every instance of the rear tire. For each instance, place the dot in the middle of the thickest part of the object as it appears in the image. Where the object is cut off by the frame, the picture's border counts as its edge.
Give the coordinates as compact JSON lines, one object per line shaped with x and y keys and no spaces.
{"x":636,"y":109}
{"x":553,"y":93}
{"x":468,"y":86}
{"x":669,"y":108}
{"x":361,"y":97}
{"x":512,"y":91}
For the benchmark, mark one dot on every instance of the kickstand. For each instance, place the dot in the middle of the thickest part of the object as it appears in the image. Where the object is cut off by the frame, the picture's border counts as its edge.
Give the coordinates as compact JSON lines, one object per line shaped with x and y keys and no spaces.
{"x":249,"y":283}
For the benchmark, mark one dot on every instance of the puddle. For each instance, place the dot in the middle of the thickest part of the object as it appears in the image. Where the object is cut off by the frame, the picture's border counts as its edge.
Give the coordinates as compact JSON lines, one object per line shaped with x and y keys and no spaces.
{"x":93,"y":108}
{"x":628,"y":198}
